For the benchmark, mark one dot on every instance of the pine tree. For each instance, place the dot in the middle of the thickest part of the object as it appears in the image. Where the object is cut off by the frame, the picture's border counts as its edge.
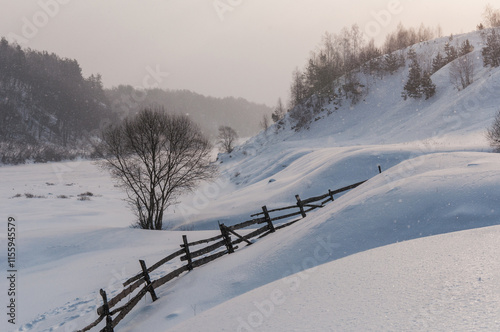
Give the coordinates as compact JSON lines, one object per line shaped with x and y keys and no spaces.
{"x":450,"y":52}
{"x":374,"y":66}
{"x":412,"y":87}
{"x":391,"y":63}
{"x":402,"y":59}
{"x":428,"y":88}
{"x":465,"y":48}
{"x":491,"y":52}
{"x":438,"y":62}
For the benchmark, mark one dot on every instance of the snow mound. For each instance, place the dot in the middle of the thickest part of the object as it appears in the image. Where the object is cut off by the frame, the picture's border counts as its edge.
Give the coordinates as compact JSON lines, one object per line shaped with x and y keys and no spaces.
{"x":440,"y":283}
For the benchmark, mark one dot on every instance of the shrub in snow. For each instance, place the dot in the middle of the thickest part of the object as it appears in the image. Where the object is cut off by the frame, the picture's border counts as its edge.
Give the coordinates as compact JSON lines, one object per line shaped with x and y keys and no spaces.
{"x":493,"y":133}
{"x":227,"y":138}
{"x":462,"y":72}
{"x":30,"y":195}
{"x":14,"y":153}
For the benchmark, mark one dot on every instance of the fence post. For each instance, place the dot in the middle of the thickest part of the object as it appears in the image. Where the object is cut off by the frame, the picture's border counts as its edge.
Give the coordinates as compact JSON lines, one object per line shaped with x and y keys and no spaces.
{"x":188,"y":253}
{"x":145,"y":273}
{"x":331,"y":195}
{"x":268,"y":219}
{"x":105,"y":306}
{"x":227,"y":238}
{"x":301,"y":206}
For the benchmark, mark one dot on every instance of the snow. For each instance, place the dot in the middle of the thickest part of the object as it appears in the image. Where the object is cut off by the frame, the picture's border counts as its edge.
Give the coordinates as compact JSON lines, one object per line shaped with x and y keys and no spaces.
{"x":413,"y":248}
{"x":439,"y":283}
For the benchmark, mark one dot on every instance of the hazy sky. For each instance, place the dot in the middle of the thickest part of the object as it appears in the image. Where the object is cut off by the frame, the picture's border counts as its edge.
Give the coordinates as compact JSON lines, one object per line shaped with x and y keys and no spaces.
{"x":241,"y":48}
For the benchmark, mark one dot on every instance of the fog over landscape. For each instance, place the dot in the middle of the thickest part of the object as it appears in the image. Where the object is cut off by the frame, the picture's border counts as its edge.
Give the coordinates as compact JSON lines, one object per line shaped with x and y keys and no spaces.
{"x":219,"y":48}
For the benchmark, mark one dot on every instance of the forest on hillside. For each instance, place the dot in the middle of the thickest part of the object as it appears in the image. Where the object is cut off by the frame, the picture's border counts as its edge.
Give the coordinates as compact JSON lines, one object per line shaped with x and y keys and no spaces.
{"x":49,"y":111}
{"x":334,"y":72}
{"x":208,"y":112}
{"x":46,"y":105}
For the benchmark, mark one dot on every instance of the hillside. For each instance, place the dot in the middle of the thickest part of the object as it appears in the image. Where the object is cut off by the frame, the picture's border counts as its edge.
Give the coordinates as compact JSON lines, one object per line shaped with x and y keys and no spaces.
{"x":343,"y":267}
{"x":45,"y":102}
{"x":346,"y":143}
{"x":208,"y":112}
{"x":50,"y":112}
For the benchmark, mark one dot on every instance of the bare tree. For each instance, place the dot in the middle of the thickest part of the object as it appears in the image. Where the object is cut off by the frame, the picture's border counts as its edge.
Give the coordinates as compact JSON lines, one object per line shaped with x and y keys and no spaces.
{"x":226,"y":138}
{"x":279,"y":111}
{"x":491,"y":16}
{"x":297,"y":88}
{"x":264,"y":123}
{"x":155,"y":156}
{"x":462,"y":72}
{"x":493,"y":133}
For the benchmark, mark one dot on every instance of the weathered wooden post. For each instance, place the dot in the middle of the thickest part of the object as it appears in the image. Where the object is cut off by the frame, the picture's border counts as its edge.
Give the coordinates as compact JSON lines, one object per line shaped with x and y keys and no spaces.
{"x":227,"y":238}
{"x":331,"y":195}
{"x":188,"y":253}
{"x":148,"y":280}
{"x":268,"y":219}
{"x":301,"y":206}
{"x":105,"y":306}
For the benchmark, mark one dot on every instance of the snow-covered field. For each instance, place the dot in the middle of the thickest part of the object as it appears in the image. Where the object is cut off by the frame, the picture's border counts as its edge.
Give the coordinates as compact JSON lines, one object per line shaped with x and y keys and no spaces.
{"x":414,"y":248}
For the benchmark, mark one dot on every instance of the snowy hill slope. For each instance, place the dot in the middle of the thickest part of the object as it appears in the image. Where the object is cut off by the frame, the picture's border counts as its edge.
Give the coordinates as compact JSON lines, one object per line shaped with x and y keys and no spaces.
{"x":438,"y":177}
{"x":382,"y":116}
{"x":347,"y":145}
{"x":441,"y":283}
{"x":445,"y":193}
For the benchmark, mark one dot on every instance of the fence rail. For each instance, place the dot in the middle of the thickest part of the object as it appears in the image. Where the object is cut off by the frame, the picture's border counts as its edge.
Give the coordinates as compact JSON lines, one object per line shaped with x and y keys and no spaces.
{"x":193,"y":257}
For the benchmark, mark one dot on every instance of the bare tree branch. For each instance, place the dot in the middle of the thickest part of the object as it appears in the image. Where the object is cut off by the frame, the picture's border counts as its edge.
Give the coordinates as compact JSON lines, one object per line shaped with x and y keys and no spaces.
{"x":227,"y":138}
{"x":155,"y":156}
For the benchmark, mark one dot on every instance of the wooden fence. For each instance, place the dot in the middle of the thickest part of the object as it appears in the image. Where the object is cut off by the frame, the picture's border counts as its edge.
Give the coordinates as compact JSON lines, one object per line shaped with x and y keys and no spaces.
{"x":225,"y":243}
